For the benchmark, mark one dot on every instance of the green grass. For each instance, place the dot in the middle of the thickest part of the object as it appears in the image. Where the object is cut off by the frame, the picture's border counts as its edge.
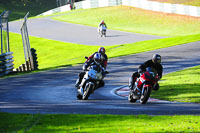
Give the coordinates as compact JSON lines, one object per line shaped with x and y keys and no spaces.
{"x":50,"y":53}
{"x":55,"y":53}
{"x":181,"y":86}
{"x":184,"y":2}
{"x":97,"y":123}
{"x":134,"y":20}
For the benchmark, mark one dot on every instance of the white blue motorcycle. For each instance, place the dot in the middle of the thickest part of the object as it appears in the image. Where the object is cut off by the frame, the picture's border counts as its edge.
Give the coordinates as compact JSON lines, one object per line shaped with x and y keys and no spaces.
{"x":92,"y":80}
{"x":102,"y":31}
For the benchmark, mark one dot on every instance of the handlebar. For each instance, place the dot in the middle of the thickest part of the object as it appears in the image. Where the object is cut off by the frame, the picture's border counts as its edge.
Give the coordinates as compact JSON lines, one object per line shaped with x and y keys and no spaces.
{"x":106,"y":72}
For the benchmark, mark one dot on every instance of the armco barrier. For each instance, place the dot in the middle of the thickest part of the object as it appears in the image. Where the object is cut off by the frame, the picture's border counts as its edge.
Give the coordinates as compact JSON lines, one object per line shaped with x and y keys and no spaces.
{"x":6,"y":63}
{"x":164,"y":7}
{"x":143,"y":4}
{"x":56,"y":10}
{"x":96,"y":3}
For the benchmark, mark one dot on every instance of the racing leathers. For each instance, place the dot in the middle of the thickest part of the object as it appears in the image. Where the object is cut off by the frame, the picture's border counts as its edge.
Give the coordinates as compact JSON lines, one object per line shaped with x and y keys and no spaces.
{"x":103,"y":63}
{"x":102,"y":24}
{"x":142,"y":68}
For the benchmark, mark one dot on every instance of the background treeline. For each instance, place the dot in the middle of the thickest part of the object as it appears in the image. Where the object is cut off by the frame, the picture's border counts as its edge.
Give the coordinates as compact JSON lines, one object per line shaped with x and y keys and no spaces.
{"x":19,"y":8}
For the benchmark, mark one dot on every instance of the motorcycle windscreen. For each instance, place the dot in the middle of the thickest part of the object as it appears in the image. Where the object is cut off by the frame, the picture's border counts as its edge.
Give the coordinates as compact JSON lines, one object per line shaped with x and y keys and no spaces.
{"x":94,"y":74}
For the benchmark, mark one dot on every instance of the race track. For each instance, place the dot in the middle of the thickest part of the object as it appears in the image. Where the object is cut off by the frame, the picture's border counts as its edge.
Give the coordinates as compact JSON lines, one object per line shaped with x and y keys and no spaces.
{"x":74,"y":33}
{"x":53,"y":91}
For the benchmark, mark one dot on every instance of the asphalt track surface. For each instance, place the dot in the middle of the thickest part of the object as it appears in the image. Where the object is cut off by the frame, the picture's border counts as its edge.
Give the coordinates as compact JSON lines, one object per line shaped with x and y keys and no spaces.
{"x":74,"y":33}
{"x":54,"y":92}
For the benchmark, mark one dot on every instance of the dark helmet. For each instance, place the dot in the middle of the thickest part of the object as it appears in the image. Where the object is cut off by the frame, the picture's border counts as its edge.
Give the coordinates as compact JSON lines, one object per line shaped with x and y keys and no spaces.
{"x":102,"y":50}
{"x":98,"y":58}
{"x":156,"y":58}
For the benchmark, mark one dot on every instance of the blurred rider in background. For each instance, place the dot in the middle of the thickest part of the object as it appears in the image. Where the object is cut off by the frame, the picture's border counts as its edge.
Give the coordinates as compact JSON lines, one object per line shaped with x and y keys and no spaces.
{"x":102,"y":24}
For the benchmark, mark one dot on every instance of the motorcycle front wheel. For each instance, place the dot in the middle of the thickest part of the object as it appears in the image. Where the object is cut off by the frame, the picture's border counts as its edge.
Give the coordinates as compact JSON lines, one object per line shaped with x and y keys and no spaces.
{"x":87,"y":90}
{"x":130,"y":98}
{"x":104,"y":33}
{"x":145,"y":96}
{"x":79,"y":96}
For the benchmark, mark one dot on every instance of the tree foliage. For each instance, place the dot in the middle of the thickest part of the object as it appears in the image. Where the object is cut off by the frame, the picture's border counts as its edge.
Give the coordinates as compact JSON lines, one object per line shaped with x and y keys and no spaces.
{"x":19,"y":8}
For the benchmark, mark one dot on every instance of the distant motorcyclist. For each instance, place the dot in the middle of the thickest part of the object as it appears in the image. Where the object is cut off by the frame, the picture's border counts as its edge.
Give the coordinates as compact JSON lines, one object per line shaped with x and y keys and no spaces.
{"x":97,"y":59}
{"x":102,"y":23}
{"x":154,"y":63}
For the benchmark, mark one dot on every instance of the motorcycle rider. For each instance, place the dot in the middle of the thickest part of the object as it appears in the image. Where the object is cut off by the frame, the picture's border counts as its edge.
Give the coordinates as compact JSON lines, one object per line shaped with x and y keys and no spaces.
{"x":154,"y":63}
{"x":96,"y":58}
{"x":104,"y":56}
{"x":102,"y":23}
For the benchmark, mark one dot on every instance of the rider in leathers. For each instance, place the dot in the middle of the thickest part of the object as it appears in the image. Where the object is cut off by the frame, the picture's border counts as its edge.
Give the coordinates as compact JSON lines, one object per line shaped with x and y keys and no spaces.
{"x":102,"y":24}
{"x":104,"y":56}
{"x":155,"y":63}
{"x":97,"y":59}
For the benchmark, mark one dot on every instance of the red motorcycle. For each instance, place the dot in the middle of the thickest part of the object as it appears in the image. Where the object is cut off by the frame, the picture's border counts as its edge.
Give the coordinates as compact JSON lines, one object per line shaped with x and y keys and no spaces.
{"x":143,"y":86}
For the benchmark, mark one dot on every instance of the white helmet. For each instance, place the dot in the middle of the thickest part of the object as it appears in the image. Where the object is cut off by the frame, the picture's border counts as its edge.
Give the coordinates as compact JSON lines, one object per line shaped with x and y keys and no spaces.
{"x":98,"y":58}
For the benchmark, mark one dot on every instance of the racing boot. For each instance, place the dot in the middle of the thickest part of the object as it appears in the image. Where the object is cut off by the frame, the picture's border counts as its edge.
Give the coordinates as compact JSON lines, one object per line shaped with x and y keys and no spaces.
{"x":130,"y":83}
{"x":78,"y":82}
{"x":156,"y":87}
{"x":101,"y":84}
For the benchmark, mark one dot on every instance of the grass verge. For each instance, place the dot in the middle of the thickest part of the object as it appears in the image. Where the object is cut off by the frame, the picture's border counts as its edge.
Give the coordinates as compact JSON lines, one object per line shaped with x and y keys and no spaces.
{"x":134,"y":20}
{"x":184,"y":2}
{"x":180,"y":86}
{"x":97,"y":123}
{"x":55,"y":53}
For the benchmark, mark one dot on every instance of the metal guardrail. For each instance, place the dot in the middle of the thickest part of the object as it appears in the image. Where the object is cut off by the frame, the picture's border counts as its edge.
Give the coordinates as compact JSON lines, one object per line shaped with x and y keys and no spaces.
{"x":6,"y":58}
{"x":4,"y":31}
{"x":164,"y":7}
{"x":6,"y":63}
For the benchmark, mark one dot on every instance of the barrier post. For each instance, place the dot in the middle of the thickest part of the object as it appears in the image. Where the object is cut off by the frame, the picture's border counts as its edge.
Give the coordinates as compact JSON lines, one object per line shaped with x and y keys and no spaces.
{"x":26,"y":42}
